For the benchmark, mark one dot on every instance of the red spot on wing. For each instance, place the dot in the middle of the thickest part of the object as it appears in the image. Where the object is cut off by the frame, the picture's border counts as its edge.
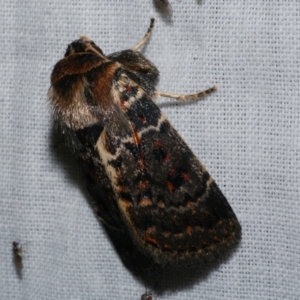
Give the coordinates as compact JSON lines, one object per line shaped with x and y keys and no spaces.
{"x":171,"y":187}
{"x":161,"y":152}
{"x":142,"y":118}
{"x":136,"y":138}
{"x":171,"y":172}
{"x":186,"y":176}
{"x":152,"y":241}
{"x":189,"y":230}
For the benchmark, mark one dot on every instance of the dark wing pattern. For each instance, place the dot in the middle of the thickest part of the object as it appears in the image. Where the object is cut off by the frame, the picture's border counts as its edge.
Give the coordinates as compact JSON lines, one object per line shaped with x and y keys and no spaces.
{"x":172,"y":207}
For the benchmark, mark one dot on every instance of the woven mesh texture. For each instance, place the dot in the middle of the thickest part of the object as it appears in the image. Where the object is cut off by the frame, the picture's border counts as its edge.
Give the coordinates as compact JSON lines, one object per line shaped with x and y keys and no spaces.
{"x":246,"y":134}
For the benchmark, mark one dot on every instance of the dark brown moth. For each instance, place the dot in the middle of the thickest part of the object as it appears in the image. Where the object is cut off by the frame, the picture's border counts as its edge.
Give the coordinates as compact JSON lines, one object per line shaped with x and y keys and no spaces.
{"x":157,"y":201}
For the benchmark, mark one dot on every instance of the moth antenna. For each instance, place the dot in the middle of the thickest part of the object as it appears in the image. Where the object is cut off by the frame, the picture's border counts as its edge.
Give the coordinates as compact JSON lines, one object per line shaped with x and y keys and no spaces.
{"x":144,"y":40}
{"x":187,"y":97}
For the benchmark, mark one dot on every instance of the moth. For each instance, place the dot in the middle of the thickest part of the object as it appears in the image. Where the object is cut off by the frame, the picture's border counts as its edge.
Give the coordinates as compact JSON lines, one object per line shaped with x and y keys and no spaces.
{"x":17,"y":257}
{"x":157,"y":201}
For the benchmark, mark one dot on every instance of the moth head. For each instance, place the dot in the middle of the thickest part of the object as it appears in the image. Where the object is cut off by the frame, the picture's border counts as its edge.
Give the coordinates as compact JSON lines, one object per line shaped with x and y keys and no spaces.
{"x":81,"y":56}
{"x":83,"y":45}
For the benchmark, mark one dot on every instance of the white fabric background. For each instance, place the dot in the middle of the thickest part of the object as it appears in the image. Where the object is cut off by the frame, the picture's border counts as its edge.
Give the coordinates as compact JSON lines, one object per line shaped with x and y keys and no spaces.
{"x":247,"y":135}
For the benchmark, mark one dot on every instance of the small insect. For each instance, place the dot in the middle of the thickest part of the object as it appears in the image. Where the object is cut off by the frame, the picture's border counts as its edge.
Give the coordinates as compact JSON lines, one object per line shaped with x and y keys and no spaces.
{"x":157,"y":201}
{"x":146,"y":296}
{"x":165,"y":5}
{"x":17,"y":257}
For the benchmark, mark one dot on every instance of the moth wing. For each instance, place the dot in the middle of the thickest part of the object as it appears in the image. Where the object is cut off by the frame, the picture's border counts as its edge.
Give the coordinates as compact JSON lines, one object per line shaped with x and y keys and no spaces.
{"x":172,"y":207}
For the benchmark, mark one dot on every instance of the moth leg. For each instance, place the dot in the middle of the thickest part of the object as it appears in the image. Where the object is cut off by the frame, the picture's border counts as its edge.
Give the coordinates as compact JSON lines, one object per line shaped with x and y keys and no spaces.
{"x":146,"y":36}
{"x":187,"y":97}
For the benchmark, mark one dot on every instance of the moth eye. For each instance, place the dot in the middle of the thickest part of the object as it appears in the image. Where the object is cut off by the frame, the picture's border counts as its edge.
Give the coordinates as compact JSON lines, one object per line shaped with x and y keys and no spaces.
{"x":75,"y":47}
{"x":68,"y":51}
